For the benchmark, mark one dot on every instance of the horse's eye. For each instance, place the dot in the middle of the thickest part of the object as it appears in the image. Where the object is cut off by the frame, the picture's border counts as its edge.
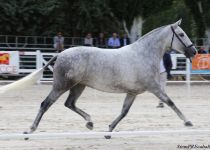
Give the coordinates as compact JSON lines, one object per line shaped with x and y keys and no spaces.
{"x":181,"y":34}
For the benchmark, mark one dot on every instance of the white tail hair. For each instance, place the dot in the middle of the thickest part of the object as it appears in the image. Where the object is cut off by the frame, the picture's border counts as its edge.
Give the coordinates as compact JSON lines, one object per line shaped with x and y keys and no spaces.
{"x":30,"y":79}
{"x":24,"y":82}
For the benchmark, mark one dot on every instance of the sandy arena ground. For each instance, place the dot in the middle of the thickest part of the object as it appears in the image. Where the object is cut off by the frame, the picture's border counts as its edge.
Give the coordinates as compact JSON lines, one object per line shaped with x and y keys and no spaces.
{"x":18,"y":110}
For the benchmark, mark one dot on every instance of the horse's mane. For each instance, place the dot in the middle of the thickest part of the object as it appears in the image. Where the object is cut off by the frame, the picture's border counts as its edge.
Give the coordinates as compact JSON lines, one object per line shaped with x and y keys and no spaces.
{"x":151,"y":32}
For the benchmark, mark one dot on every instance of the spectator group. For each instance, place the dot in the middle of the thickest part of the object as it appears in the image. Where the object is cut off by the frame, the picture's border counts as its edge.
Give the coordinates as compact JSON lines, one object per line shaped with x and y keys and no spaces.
{"x":113,"y":42}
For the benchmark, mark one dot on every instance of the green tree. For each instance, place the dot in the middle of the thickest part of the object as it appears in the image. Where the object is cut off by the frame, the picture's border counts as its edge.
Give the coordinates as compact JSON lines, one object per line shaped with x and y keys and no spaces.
{"x":133,"y":13}
{"x":168,"y":16}
{"x":26,"y":17}
{"x":77,"y":17}
{"x":90,"y":16}
{"x":194,"y":7}
{"x":201,"y":14}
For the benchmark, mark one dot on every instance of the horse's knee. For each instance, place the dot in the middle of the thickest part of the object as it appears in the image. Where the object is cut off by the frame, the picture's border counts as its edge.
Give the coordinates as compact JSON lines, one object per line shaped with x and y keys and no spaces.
{"x":170,"y":103}
{"x":46,"y":104}
{"x":66,"y":104}
{"x":124,"y":113}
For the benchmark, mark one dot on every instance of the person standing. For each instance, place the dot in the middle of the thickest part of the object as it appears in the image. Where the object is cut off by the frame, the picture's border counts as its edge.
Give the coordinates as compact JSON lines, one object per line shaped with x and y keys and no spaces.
{"x":88,"y":41}
{"x":165,"y":68}
{"x":101,"y":41}
{"x":125,"y":40}
{"x":202,"y":50}
{"x":59,"y":42}
{"x":114,"y":41}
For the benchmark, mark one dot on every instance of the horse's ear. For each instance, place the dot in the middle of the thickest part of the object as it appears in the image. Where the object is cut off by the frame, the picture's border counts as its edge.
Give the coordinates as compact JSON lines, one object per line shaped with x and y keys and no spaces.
{"x":179,"y":21}
{"x":176,"y":24}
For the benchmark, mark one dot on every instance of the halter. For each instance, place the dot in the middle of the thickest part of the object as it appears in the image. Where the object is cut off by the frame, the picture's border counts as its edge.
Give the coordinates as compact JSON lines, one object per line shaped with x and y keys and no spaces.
{"x":174,"y":33}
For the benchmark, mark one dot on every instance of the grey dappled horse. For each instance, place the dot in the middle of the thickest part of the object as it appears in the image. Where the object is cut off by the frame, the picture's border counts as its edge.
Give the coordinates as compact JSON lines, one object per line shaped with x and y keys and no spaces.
{"x":132,"y":69}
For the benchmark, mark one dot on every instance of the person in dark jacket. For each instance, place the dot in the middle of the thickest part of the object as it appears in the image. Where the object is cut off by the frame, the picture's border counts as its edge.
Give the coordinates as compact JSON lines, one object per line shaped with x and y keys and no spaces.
{"x":101,"y":41}
{"x":125,"y":40}
{"x":165,"y":69}
{"x":167,"y":62}
{"x":202,"y":50}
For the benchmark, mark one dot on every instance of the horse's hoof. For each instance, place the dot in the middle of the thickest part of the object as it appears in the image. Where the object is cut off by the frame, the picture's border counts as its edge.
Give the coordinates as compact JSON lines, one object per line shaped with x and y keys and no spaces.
{"x":26,"y":138}
{"x":108,"y":136}
{"x":89,"y":125}
{"x":188,"y":123}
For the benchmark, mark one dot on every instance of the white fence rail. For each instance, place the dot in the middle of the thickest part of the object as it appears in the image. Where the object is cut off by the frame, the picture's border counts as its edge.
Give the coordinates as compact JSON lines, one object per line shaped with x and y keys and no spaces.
{"x":30,"y":61}
{"x":64,"y":135}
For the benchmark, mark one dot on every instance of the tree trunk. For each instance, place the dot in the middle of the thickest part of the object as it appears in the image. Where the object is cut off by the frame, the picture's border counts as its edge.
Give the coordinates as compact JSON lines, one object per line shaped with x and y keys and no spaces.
{"x":207,"y":34}
{"x":135,"y":30}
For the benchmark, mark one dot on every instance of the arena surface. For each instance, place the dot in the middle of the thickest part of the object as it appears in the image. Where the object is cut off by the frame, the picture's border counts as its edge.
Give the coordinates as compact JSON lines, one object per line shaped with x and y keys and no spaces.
{"x":18,"y":110}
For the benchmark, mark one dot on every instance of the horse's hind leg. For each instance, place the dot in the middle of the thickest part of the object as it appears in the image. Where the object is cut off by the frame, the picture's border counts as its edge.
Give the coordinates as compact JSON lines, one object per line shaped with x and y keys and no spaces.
{"x":164,"y":97}
{"x":74,"y":94}
{"x":51,"y":98}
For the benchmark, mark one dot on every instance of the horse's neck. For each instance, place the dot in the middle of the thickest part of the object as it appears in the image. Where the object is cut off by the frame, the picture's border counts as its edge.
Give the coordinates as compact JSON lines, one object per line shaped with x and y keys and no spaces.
{"x":156,"y":44}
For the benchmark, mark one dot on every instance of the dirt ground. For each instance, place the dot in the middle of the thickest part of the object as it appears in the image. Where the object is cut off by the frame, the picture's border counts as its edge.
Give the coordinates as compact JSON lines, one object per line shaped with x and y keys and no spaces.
{"x":18,"y":110}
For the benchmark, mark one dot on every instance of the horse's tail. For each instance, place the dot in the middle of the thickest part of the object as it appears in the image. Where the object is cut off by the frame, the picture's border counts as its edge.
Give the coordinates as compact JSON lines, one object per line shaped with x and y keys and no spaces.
{"x":30,"y":79}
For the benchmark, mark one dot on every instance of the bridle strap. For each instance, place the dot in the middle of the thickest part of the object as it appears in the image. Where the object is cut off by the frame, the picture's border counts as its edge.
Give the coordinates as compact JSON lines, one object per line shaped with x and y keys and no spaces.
{"x":172,"y":41}
{"x":174,"y":33}
{"x":190,"y":45}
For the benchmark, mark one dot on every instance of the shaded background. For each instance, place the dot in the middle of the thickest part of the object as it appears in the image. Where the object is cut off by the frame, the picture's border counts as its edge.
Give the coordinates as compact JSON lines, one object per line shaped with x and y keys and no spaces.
{"x":77,"y":17}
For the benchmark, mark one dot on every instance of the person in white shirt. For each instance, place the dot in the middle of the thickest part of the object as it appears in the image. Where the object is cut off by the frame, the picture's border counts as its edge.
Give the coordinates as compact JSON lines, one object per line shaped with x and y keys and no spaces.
{"x":88,"y":41}
{"x":58,"y":42}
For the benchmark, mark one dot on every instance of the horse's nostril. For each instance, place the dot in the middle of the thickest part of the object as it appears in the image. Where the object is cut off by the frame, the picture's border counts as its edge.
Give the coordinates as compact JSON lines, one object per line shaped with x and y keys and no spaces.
{"x":195,"y":52}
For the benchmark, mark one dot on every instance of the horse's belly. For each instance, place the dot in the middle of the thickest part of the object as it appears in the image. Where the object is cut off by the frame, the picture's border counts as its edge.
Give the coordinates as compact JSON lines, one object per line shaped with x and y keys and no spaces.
{"x":114,"y":88}
{"x":106,"y":89}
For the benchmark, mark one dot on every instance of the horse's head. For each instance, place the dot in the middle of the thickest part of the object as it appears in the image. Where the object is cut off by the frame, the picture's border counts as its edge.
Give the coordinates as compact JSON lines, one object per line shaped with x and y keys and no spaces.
{"x":181,"y":42}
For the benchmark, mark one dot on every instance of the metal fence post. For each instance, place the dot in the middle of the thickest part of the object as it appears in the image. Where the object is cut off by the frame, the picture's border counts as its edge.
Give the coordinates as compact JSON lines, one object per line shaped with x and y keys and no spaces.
{"x":188,"y":74}
{"x":38,"y":59}
{"x":39,"y":62}
{"x":188,"y":77}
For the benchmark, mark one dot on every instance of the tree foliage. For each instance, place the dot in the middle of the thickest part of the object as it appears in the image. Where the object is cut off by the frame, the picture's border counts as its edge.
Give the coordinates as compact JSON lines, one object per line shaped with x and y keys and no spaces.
{"x":169,"y":16}
{"x":128,"y":10}
{"x":77,"y":17}
{"x":26,"y":17}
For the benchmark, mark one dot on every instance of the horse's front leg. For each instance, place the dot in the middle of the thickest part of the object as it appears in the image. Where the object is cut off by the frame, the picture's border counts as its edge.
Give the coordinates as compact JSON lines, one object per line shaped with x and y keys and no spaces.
{"x":126,"y":106}
{"x":164,"y":98}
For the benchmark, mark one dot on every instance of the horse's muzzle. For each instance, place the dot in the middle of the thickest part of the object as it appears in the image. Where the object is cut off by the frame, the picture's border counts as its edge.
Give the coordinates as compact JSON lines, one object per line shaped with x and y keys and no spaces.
{"x":194,"y":50}
{"x":190,"y":52}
